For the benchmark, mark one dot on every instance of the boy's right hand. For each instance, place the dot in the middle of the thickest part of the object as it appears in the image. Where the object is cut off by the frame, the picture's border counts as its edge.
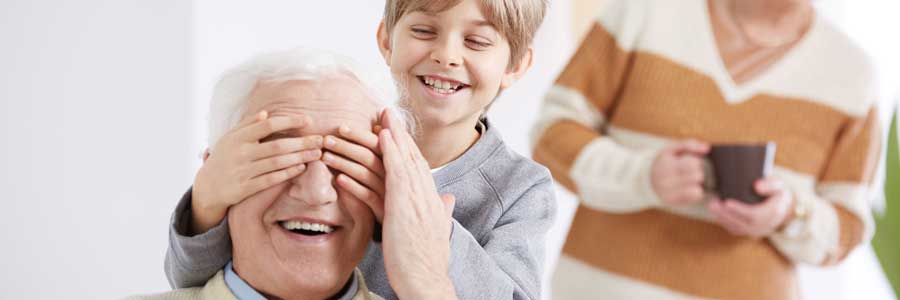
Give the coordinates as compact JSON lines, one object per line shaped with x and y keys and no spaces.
{"x":241,"y":165}
{"x":677,"y":173}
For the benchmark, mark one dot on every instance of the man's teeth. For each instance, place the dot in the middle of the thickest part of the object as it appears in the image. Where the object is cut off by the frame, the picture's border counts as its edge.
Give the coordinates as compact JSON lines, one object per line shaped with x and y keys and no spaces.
{"x":442,"y":86}
{"x":294,"y":225}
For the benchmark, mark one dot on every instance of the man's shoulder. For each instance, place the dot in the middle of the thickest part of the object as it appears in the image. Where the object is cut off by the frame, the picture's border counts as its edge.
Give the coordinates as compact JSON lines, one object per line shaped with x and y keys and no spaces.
{"x":215,"y":288}
{"x":179,"y":294}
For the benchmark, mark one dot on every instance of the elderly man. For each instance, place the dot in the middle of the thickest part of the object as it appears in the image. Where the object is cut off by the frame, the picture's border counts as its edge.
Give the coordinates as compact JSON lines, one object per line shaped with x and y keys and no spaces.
{"x":299,"y":238}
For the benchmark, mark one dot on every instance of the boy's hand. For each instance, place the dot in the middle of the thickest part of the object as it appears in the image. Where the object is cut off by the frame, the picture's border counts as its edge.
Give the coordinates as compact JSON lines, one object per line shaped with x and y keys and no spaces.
{"x":357,"y":157}
{"x":241,"y":165}
{"x":677,"y":173}
{"x":755,"y":220}
{"x":417,"y":221}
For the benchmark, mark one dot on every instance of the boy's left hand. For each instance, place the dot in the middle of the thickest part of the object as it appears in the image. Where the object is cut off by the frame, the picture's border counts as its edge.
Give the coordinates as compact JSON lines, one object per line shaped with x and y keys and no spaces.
{"x":755,"y":220}
{"x":417,"y":221}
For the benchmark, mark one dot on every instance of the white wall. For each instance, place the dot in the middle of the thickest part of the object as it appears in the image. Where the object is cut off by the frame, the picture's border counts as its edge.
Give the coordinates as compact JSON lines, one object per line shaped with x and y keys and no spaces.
{"x":94,"y":146}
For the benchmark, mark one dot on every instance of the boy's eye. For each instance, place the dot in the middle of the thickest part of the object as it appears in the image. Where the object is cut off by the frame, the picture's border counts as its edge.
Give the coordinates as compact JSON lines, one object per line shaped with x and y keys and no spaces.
{"x":477,"y":44}
{"x":422,"y":32}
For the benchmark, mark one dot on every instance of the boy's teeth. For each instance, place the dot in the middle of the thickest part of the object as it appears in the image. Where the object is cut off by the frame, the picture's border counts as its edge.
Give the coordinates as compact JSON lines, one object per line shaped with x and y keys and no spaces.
{"x":441,"y":86}
{"x":294,"y":225}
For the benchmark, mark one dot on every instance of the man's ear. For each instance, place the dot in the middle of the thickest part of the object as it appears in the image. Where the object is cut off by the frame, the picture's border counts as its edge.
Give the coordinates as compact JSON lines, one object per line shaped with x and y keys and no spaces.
{"x":205,"y":155}
{"x":524,"y":64}
{"x":384,"y":42}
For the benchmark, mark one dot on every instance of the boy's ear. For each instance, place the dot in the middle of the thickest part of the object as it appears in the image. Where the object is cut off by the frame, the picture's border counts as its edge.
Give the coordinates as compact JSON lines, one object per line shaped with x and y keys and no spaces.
{"x":513,"y":75}
{"x":384,"y":43}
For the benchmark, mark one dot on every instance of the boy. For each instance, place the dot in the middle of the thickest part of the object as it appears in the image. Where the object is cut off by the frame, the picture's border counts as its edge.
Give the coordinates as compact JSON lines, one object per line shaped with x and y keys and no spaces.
{"x":450,"y":60}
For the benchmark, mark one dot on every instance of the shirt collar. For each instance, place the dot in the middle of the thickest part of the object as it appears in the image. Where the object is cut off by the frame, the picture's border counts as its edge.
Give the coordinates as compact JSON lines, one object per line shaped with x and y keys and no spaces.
{"x":238,"y":286}
{"x":244,"y":291}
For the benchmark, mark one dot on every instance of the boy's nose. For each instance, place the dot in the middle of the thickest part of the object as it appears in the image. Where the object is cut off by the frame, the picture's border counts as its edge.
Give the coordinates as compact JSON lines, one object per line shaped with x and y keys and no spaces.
{"x":445,"y":54}
{"x":314,"y":186}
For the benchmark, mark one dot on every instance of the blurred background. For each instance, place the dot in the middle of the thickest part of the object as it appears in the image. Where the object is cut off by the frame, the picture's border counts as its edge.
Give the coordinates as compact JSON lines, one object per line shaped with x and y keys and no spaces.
{"x":104,"y":115}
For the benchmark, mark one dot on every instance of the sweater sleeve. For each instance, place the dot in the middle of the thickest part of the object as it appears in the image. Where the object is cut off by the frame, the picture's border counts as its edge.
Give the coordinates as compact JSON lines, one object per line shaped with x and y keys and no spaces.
{"x":192,"y":260}
{"x":507,"y":263}
{"x":839,"y":217}
{"x":568,"y":136}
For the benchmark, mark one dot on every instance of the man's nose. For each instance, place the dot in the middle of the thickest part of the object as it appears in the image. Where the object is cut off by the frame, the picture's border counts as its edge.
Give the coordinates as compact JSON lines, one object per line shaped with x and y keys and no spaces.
{"x":447,"y":53}
{"x":314,"y":186}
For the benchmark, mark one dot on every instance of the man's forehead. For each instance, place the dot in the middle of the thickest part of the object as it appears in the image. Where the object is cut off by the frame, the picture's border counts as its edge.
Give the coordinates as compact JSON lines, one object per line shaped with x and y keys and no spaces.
{"x":329,"y":102}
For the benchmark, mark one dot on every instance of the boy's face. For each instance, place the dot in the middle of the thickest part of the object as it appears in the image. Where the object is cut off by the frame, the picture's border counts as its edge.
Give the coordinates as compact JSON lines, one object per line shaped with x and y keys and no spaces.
{"x":450,"y":65}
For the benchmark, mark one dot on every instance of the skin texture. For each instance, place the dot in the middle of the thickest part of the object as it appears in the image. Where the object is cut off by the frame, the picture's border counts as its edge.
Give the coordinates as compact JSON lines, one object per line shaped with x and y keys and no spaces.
{"x":273,"y":260}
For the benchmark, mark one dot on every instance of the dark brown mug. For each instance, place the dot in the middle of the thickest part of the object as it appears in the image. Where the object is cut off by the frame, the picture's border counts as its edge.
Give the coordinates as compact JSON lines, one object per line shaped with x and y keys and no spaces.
{"x":736,"y":167}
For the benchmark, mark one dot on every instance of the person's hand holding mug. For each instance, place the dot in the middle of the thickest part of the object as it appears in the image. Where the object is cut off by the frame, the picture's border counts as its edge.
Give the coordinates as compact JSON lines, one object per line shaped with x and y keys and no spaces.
{"x":677,"y":173}
{"x":758,"y":219}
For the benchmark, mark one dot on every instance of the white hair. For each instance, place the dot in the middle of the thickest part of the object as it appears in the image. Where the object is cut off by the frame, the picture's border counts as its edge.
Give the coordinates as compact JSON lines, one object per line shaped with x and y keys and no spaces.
{"x":231,"y":93}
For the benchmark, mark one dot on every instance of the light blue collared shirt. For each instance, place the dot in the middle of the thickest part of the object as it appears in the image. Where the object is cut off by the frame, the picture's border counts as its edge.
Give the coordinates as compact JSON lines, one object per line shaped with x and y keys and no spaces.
{"x":239,"y":287}
{"x":244,"y":291}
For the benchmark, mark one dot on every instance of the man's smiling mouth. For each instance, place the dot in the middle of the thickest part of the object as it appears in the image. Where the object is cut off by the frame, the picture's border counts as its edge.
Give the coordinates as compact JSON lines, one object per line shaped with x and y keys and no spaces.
{"x":306,"y":228}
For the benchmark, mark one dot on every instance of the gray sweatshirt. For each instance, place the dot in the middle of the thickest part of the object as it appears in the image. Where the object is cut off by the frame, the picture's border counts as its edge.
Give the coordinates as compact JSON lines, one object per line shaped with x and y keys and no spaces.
{"x":504,"y":206}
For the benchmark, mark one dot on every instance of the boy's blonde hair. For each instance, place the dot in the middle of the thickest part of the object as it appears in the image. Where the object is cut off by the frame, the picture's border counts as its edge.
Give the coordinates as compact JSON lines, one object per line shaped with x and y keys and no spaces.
{"x":516,"y":20}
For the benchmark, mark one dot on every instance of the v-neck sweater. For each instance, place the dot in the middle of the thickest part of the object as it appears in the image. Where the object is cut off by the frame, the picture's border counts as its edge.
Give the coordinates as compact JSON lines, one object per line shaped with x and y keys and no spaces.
{"x":648,"y":74}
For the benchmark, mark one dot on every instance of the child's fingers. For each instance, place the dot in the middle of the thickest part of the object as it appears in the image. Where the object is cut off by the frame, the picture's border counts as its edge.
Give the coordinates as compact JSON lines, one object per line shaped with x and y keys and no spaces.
{"x":268,"y":180}
{"x":279,"y":162}
{"x":364,"y":194}
{"x":357,"y":153}
{"x":355,"y":171}
{"x":248,"y":120}
{"x":361,"y":137}
{"x":286,"y":145}
{"x":262,"y":129}
{"x":398,"y":133}
{"x":394,"y":168}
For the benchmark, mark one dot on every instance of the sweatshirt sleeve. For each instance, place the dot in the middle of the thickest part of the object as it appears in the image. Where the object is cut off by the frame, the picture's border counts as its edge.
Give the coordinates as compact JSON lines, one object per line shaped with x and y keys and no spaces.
{"x":568,"y":136}
{"x":839,"y":216}
{"x":507,"y":263}
{"x":191,"y":260}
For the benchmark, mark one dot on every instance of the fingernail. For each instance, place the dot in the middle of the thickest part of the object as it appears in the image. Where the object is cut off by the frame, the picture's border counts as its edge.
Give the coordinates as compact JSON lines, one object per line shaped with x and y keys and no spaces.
{"x":315,"y":154}
{"x":344,"y":129}
{"x":329,"y":141}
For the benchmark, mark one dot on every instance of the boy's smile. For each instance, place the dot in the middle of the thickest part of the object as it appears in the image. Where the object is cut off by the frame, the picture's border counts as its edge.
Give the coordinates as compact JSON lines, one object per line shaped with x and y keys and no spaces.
{"x":442,"y":85}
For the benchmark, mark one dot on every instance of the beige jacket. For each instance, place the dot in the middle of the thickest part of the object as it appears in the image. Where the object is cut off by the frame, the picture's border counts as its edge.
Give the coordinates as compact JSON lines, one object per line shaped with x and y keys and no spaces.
{"x":216,"y":289}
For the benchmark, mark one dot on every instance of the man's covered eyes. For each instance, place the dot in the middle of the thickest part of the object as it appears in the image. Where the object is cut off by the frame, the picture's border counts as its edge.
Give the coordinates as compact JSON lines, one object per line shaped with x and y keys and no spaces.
{"x":275,"y":136}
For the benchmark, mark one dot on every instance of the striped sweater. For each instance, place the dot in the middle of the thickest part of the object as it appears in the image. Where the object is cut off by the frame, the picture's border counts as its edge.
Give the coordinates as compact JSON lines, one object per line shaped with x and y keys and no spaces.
{"x":649,"y":73}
